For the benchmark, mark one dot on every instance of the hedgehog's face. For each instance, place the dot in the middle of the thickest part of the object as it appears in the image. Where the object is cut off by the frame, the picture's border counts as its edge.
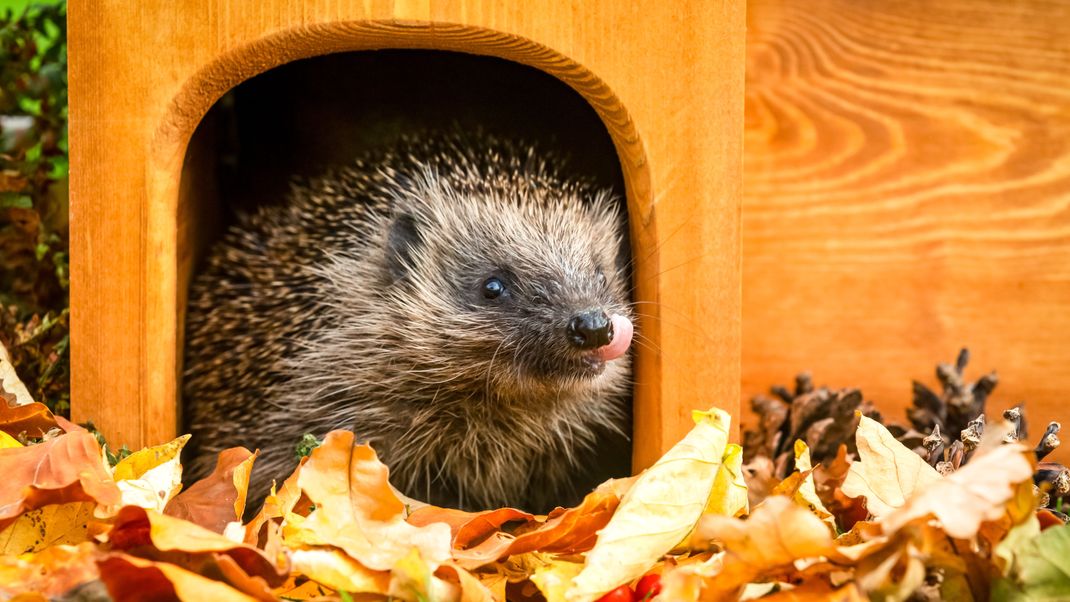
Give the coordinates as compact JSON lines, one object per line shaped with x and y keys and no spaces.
{"x":533,"y":297}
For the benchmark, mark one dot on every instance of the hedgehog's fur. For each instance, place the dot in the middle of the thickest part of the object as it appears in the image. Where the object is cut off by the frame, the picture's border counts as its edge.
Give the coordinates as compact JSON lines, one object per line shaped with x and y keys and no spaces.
{"x":358,"y":305}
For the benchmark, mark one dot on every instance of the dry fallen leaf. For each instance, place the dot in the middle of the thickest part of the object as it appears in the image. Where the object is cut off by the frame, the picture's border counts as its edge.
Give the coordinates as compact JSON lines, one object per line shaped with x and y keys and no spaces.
{"x":887,"y":473}
{"x":11,"y":387}
{"x":152,"y":476}
{"x":357,"y":511}
{"x":729,"y":494}
{"x":52,"y":525}
{"x":137,"y":527}
{"x":30,"y":420}
{"x":334,"y":569}
{"x":800,"y":487}
{"x":776,"y":534}
{"x":963,"y":500}
{"x":67,"y":468}
{"x":658,"y":511}
{"x":132,"y":579}
{"x":219,"y":498}
{"x":52,"y":571}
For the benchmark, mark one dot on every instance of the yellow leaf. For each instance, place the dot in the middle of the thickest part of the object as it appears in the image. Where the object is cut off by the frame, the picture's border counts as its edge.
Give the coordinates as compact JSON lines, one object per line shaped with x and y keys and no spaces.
{"x":800,"y":486}
{"x":138,"y":463}
{"x":555,"y":578}
{"x":414,"y":579}
{"x":887,"y":472}
{"x":332,"y":568}
{"x":7,"y":441}
{"x":149,"y":478}
{"x":658,"y":511}
{"x":729,"y":494}
{"x":56,"y":524}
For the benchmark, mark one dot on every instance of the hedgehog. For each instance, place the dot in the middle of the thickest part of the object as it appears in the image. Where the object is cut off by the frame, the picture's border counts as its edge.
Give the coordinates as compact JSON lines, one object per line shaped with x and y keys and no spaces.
{"x":459,"y":302}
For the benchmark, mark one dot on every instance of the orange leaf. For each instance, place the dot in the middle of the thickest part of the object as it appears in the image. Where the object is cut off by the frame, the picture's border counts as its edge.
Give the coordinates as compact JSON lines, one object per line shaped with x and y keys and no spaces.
{"x":132,"y":579}
{"x":66,"y":469}
{"x":357,"y":511}
{"x":52,"y":571}
{"x":219,"y":498}
{"x":563,"y":532}
{"x":468,"y":527}
{"x":777,"y":534}
{"x":569,"y":531}
{"x":33,"y":420}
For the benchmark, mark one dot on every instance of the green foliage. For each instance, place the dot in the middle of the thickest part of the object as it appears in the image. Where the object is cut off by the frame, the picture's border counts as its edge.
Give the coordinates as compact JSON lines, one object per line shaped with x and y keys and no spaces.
{"x":1040,"y":570}
{"x":305,"y":446}
{"x":34,"y":273}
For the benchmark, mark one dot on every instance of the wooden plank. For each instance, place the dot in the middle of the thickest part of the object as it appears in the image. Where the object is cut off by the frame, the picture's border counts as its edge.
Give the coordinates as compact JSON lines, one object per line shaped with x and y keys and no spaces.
{"x":907,"y":192}
{"x":666,"y":78}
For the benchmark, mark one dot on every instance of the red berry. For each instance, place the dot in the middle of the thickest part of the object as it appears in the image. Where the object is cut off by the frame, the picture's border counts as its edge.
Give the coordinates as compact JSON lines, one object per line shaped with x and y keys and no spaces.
{"x":648,"y":587}
{"x":621,"y":594}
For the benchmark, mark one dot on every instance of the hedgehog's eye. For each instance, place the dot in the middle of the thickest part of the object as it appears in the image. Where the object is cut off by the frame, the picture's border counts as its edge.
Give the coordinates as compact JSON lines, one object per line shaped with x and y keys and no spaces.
{"x":493,"y":288}
{"x":601,"y":276}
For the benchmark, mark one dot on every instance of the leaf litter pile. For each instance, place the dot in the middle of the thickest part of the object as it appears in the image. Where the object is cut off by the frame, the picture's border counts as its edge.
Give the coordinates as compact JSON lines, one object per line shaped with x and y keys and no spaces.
{"x":831,"y":505}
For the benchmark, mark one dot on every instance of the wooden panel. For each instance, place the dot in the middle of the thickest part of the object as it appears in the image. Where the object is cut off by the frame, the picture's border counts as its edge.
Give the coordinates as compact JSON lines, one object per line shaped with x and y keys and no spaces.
{"x":665,"y":77}
{"x":907,"y":192}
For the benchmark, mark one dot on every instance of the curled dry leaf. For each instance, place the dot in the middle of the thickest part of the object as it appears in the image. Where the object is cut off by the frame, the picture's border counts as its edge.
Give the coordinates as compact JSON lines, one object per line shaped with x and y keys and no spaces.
{"x":150,"y":477}
{"x":887,"y":473}
{"x":219,"y":498}
{"x":67,"y":468}
{"x":12,"y":391}
{"x":729,"y":494}
{"x":357,"y":511}
{"x":658,"y":511}
{"x":977,"y":492}
{"x":30,"y":420}
{"x":800,"y":487}
{"x":776,"y":534}
{"x":133,"y":579}
{"x":333,"y":568}
{"x":136,"y":527}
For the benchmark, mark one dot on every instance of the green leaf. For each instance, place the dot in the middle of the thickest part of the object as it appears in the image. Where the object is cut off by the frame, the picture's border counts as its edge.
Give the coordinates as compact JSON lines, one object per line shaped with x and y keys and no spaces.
{"x":305,"y":446}
{"x":15,"y":200}
{"x":1041,"y":569}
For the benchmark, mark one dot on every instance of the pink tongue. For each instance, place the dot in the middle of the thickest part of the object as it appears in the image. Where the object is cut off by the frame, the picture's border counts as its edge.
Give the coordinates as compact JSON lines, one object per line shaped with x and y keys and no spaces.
{"x":622,"y":339}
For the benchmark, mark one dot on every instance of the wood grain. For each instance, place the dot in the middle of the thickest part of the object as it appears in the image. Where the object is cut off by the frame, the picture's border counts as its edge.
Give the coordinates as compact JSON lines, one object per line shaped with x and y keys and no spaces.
{"x":907,"y":192}
{"x":666,"y":78}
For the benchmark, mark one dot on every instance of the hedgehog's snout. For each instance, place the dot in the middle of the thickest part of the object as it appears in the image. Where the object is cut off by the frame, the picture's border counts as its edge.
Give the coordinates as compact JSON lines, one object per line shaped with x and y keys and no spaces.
{"x":589,"y":329}
{"x":604,"y":336}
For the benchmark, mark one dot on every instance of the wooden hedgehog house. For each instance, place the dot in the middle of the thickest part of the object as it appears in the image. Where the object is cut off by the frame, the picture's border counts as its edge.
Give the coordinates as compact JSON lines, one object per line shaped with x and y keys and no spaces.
{"x":665,"y":81}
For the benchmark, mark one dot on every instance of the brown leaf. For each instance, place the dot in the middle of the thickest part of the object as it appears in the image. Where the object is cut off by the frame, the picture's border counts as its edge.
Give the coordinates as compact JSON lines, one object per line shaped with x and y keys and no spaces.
{"x":818,"y":590}
{"x":68,"y":468}
{"x":219,"y":498}
{"x":132,"y":579}
{"x":778,"y":533}
{"x":137,"y":527}
{"x":32,"y":420}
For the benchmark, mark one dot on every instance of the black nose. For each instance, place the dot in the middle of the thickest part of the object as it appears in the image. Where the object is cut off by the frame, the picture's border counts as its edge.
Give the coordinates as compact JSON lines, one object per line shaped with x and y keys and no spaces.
{"x":589,"y":330}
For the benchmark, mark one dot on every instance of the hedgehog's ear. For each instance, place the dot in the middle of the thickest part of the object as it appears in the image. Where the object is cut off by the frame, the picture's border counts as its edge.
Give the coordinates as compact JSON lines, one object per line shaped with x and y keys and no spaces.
{"x":401,"y":242}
